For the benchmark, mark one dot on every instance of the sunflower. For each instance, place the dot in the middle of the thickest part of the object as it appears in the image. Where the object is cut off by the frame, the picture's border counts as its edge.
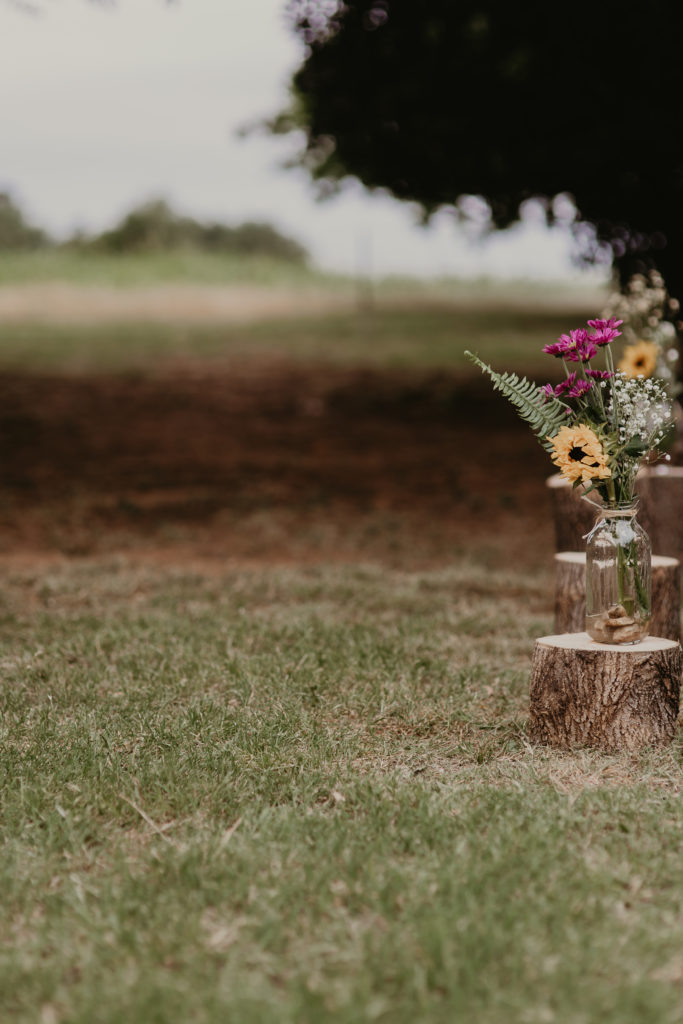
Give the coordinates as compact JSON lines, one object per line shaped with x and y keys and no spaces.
{"x":579,"y":454}
{"x":639,"y":360}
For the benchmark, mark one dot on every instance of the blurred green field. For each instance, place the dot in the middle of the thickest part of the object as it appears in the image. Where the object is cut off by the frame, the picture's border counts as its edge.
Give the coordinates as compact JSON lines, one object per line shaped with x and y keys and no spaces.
{"x":403,"y":337}
{"x":136,"y":270}
{"x":192,"y":266}
{"x":392,"y":322}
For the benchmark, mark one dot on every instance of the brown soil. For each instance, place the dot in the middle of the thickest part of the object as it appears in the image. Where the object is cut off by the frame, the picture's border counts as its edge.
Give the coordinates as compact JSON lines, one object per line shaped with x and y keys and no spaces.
{"x":56,"y":302}
{"x":267,"y":462}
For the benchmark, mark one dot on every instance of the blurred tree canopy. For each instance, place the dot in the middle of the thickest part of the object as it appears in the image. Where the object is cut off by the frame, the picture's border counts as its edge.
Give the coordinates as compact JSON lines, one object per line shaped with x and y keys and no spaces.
{"x":155,"y":225}
{"x":506,"y":101}
{"x":15,"y":231}
{"x":152,"y":227}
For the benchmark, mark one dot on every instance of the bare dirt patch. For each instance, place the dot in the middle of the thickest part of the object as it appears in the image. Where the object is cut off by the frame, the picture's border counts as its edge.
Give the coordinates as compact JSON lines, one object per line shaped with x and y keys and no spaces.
{"x":267,"y":462}
{"x":60,"y":303}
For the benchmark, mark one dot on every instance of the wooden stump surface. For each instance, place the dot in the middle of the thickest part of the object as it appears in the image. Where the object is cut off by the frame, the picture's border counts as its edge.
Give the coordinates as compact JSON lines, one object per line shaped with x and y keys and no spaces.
{"x":603,"y":695}
{"x":570,"y":595}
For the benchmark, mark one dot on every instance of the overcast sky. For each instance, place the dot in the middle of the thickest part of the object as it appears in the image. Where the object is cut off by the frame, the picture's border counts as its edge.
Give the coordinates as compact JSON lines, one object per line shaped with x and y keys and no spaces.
{"x":104,"y":107}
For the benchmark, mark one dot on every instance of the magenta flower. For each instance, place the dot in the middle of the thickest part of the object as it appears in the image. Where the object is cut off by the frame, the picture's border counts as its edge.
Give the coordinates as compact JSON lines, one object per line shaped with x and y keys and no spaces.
{"x":602,"y":325}
{"x":565,"y":385}
{"x":558,"y":348}
{"x":605,"y":330}
{"x":605,"y":335}
{"x":547,"y":391}
{"x":581,"y":346}
{"x":576,"y":346}
{"x":580,"y":388}
{"x":599,"y":374}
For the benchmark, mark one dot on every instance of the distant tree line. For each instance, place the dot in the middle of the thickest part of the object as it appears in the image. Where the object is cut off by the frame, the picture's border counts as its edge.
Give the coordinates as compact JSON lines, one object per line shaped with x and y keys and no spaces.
{"x":153,"y":227}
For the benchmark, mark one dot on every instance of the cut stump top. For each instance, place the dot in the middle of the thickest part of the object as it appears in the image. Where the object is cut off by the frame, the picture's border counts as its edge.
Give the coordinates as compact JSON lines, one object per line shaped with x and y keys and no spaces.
{"x":579,"y":558}
{"x":582,"y":642}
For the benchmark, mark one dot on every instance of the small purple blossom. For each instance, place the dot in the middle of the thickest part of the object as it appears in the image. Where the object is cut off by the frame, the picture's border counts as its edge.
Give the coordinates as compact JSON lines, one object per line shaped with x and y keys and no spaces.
{"x":576,"y":346}
{"x":547,"y":391}
{"x":605,"y":335}
{"x":572,"y":387}
{"x":605,"y":330}
{"x":580,"y":388}
{"x":606,"y":325}
{"x":558,"y":348}
{"x":565,"y":385}
{"x":599,"y":374}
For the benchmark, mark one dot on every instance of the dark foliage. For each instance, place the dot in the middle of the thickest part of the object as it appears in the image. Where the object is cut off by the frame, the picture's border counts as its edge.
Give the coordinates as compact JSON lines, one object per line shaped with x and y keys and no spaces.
{"x":155,"y":226}
{"x":486,"y":97}
{"x":15,"y":231}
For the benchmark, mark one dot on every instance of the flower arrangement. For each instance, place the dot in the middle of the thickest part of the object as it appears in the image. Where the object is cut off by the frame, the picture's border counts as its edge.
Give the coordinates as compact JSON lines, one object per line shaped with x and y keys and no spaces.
{"x":598,"y":424}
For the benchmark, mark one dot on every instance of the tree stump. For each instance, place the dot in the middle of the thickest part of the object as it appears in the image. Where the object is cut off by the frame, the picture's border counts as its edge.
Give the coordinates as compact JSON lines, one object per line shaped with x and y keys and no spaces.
{"x":573,"y":517}
{"x":604,"y":696}
{"x":570,"y":595}
{"x":661,"y":497}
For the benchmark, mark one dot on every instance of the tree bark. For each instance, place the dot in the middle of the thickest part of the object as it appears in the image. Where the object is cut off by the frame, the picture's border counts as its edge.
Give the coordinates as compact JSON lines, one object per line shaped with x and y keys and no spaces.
{"x":570,"y":595}
{"x":603,"y":696}
{"x":573,"y":517}
{"x":661,"y":497}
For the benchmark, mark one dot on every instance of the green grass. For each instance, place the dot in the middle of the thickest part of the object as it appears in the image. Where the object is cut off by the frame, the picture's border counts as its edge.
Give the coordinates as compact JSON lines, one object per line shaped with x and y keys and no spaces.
{"x":307,"y":795}
{"x":393,"y":322}
{"x":189,"y":266}
{"x":420,"y":336}
{"x":192,"y":266}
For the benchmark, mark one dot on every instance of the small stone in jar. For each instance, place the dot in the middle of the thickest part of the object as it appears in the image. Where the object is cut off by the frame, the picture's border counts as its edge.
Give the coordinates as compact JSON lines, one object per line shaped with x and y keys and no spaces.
{"x":617,"y":611}
{"x":623,"y":620}
{"x":626,"y":634}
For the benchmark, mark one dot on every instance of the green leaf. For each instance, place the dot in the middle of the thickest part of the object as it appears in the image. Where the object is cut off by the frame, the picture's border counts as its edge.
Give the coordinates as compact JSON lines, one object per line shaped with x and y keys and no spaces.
{"x":544,"y":416}
{"x":636,"y":446}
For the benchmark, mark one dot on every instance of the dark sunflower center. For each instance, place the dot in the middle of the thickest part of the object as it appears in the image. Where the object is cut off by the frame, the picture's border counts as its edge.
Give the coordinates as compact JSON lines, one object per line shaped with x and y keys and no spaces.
{"x":576,"y":454}
{"x":640,"y":362}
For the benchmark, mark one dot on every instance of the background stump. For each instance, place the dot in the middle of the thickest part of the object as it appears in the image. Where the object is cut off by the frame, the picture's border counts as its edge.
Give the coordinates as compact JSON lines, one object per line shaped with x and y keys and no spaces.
{"x":570,"y":594}
{"x":660,"y":489}
{"x":600,"y":695}
{"x":661,"y":495}
{"x":573,"y":517}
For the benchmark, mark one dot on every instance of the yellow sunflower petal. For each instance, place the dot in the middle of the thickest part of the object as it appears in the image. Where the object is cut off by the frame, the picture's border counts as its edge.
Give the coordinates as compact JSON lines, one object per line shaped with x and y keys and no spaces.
{"x":578,"y":454}
{"x":639,"y":359}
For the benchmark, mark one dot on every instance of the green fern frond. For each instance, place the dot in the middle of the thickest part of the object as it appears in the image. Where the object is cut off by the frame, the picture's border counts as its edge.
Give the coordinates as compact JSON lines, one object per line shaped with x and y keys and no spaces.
{"x":544,"y":416}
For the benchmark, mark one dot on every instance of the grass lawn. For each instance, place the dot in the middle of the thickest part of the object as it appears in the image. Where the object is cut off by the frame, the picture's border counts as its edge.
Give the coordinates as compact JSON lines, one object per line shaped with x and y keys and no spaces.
{"x":394,"y":322}
{"x":303,"y":792}
{"x":423,"y":333}
{"x":306,"y":795}
{"x":137,"y":270}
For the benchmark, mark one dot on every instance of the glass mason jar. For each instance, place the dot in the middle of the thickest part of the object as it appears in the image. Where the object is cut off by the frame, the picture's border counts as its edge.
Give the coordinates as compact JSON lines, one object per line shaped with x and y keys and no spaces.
{"x":618,"y":577}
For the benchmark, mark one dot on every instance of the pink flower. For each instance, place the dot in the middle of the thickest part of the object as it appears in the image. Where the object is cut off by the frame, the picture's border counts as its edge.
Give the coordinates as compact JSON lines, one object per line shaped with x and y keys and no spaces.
{"x":580,"y":388}
{"x":558,"y":348}
{"x":574,"y":388}
{"x":599,"y":374}
{"x":605,"y":330}
{"x":605,"y":335}
{"x":565,"y":385}
{"x":602,"y":325}
{"x":576,"y":346}
{"x":547,"y":391}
